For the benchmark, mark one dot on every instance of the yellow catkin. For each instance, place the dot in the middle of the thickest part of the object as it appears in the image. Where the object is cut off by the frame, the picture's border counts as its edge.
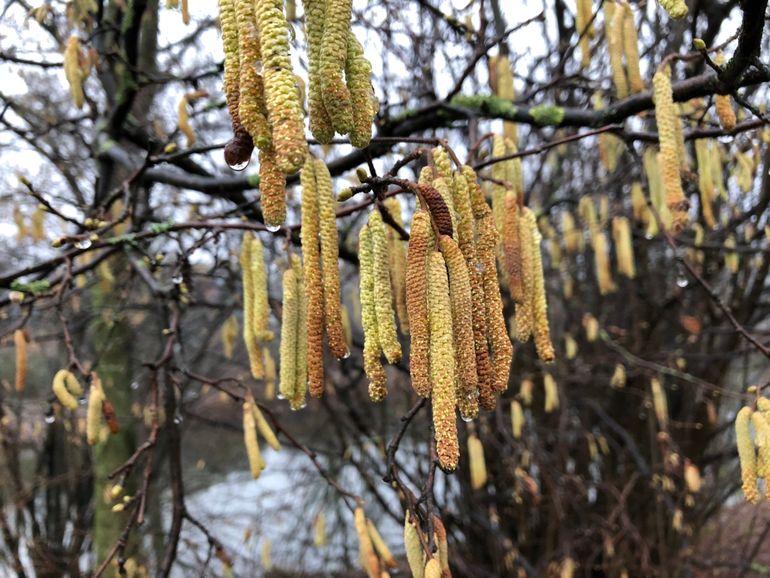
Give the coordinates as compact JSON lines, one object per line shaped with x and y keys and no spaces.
{"x":524,"y":309}
{"x":706,"y":186}
{"x":613,"y":25}
{"x":747,"y":454}
{"x":502,"y":349}
{"x":499,"y":174}
{"x":327,"y":205}
{"x":333,"y":53}
{"x":73,"y":71}
{"x":659,"y":403}
{"x":271,"y":374}
{"x":573,"y":239}
{"x":397,"y":253}
{"x":476,"y":462}
{"x":506,"y":91}
{"x":724,"y":107}
{"x":639,"y":203}
{"x":288,"y":349}
{"x":94,"y":410}
{"x":415,"y":554}
{"x":261,"y":300}
{"x":478,"y":202}
{"x":367,"y":556}
{"x":462,"y":325}
{"x":272,"y":188}
{"x":320,"y":122}
{"x":20,"y":344}
{"x":551,"y":393}
{"x":525,"y":391}
{"x":251,"y":105}
{"x":250,"y":440}
{"x":249,"y":323}
{"x":631,"y":50}
{"x":512,"y":247}
{"x":669,"y":133}
{"x":675,"y":8}
{"x":732,"y":262}
{"x":602,"y":263}
{"x":383,"y":293}
{"x":692,"y":478}
{"x":183,"y":120}
{"x":439,"y":532}
{"x":570,"y":347}
{"x":567,"y":569}
{"x":281,"y":97}
{"x":467,"y":241}
{"x":358,"y":74}
{"x":298,"y":401}
{"x":540,"y":327}
{"x":229,"y":333}
{"x":624,"y":248}
{"x":319,"y":529}
{"x":380,"y":546}
{"x":264,"y":428}
{"x":585,"y":30}
{"x":372,"y":348}
{"x":417,"y":303}
{"x":433,"y":569}
{"x":717,"y":169}
{"x":63,"y":393}
{"x":517,"y":419}
{"x":618,"y":379}
{"x":442,"y":363}
{"x":314,"y":292}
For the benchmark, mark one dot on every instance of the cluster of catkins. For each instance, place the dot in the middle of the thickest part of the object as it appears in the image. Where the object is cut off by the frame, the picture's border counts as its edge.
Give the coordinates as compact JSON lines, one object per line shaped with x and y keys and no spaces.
{"x":253,"y":422}
{"x":754,"y":454}
{"x":375,"y":556}
{"x":622,"y":43}
{"x":420,"y":563}
{"x":67,"y":389}
{"x":264,"y":97}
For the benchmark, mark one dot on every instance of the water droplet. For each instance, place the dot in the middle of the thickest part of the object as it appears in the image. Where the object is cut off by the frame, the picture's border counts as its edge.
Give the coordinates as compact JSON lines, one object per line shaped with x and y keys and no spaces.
{"x":177,"y":279}
{"x":83,"y":243}
{"x":273,"y":228}
{"x":178,"y":419}
{"x":239,"y":166}
{"x":134,"y":385}
{"x":279,"y":395}
{"x":466,"y":418}
{"x":648,"y":236}
{"x":303,"y":405}
{"x":682,"y":281}
{"x":82,"y":400}
{"x":49,"y":418}
{"x":346,"y":354}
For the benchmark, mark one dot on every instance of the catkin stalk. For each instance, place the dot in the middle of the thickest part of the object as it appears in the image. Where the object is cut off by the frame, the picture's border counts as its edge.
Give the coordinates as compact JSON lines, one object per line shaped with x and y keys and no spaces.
{"x":417,"y":303}
{"x":442,"y":363}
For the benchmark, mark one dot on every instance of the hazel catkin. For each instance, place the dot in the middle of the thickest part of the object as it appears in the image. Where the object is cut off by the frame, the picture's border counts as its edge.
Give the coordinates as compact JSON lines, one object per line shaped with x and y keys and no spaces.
{"x":383,"y":293}
{"x":417,"y":302}
{"x":65,"y":387}
{"x":358,"y":74}
{"x":320,"y":122}
{"x":333,"y":54}
{"x":289,"y":327}
{"x":540,"y":327}
{"x":747,"y":454}
{"x":20,"y":344}
{"x":372,"y":348}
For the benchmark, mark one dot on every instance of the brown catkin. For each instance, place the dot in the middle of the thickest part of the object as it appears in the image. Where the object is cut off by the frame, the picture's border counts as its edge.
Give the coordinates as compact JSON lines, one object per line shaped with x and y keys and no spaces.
{"x":502,"y":349}
{"x":442,"y":186}
{"x":397,"y":252}
{"x":372,"y":348}
{"x":462,"y":325}
{"x":314,"y":293}
{"x":669,"y":131}
{"x":512,"y":247}
{"x":383,"y":293}
{"x":524,"y":308}
{"x":442,"y":364}
{"x":417,"y":303}
{"x":747,"y":454}
{"x":272,"y":186}
{"x":540,"y":327}
{"x":327,"y":206}
{"x":20,"y":343}
{"x":439,"y":211}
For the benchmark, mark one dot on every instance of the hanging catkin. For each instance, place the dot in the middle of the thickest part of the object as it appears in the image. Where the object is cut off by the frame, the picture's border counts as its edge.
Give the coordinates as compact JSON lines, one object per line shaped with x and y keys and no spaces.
{"x":320,"y":122}
{"x":20,"y":344}
{"x":94,"y":410}
{"x":358,"y":74}
{"x":73,"y":70}
{"x":747,"y":454}
{"x":443,"y":547}
{"x":249,"y":322}
{"x":383,"y":294}
{"x":540,"y":327}
{"x":372,"y":348}
{"x":384,"y":553}
{"x":512,"y":247}
{"x":415,"y":554}
{"x":261,"y":305}
{"x":675,"y":8}
{"x":369,"y":561}
{"x":281,"y":97}
{"x":439,"y":212}
{"x":613,"y":26}
{"x":602,"y":262}
{"x":524,"y":308}
{"x":65,"y":387}
{"x":256,"y":464}
{"x":502,"y":349}
{"x":706,"y":188}
{"x":631,"y":49}
{"x":314,"y":293}
{"x":624,"y":248}
{"x":327,"y":205}
{"x":272,"y":188}
{"x":397,"y":252}
{"x":442,"y":363}
{"x":298,"y":400}
{"x":669,"y":132}
{"x":660,"y":403}
{"x":476,"y":462}
{"x":517,"y":419}
{"x":333,"y":53}
{"x":723,"y":102}
{"x":551,"y":393}
{"x":417,"y":303}
{"x":264,"y":428}
{"x":462,"y":325}
{"x":584,"y":28}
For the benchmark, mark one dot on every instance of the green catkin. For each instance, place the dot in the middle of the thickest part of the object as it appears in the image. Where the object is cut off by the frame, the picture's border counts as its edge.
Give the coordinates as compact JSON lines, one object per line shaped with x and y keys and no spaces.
{"x":327,"y":206}
{"x":272,"y":187}
{"x":675,"y":8}
{"x":289,"y":327}
{"x":358,"y":73}
{"x":502,"y":349}
{"x":372,"y":348}
{"x":333,"y":53}
{"x":281,"y":97}
{"x":298,"y":400}
{"x":417,"y":302}
{"x":314,"y":292}
{"x":320,"y":122}
{"x":442,"y":364}
{"x":386,"y":323}
{"x":478,"y":202}
{"x":462,"y":324}
{"x":747,"y":454}
{"x":251,"y":106}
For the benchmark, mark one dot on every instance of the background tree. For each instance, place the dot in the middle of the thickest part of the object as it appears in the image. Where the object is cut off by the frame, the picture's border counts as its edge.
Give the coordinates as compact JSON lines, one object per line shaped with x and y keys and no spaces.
{"x":120,"y":239}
